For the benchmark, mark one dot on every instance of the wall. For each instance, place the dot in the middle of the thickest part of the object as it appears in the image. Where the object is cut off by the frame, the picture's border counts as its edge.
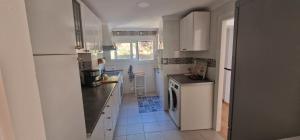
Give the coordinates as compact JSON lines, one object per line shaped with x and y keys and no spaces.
{"x":145,"y":66}
{"x":16,"y":62}
{"x":219,"y":12}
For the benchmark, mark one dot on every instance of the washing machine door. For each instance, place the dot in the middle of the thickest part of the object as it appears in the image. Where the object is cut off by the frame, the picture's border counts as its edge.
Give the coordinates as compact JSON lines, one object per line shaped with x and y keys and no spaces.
{"x":174,"y":100}
{"x":170,"y":102}
{"x":174,"y":103}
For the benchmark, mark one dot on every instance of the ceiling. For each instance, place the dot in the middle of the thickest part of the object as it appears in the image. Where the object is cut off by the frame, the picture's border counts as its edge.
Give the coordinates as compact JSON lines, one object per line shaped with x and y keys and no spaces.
{"x":126,"y":13}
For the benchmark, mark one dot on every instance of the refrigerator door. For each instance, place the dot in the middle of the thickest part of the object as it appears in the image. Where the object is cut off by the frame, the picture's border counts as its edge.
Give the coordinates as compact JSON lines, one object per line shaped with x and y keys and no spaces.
{"x":51,"y":26}
{"x":61,"y":96}
{"x":266,"y":71}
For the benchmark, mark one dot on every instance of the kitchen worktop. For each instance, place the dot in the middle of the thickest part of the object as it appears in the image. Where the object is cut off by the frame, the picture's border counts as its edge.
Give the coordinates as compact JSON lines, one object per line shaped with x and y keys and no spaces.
{"x":95,"y":99}
{"x":184,"y":79}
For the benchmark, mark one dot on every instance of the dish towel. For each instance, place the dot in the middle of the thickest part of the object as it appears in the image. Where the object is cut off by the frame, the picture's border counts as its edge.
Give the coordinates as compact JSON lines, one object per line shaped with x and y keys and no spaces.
{"x":130,"y":73}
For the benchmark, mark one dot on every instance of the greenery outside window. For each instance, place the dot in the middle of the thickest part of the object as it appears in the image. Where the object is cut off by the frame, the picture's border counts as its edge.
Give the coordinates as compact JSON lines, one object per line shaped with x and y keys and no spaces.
{"x":141,"y":50}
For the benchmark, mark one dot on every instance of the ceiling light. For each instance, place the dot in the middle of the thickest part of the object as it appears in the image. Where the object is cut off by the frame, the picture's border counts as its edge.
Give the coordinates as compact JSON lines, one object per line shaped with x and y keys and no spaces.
{"x":143,"y":4}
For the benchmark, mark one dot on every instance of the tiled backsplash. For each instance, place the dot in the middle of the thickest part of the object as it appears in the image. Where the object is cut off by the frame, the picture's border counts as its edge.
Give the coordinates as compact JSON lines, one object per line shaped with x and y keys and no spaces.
{"x":188,"y":60}
{"x":210,"y":62}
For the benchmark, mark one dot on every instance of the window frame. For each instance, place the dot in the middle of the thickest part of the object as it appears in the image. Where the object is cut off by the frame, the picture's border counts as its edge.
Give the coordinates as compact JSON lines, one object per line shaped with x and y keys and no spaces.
{"x":137,"y":55}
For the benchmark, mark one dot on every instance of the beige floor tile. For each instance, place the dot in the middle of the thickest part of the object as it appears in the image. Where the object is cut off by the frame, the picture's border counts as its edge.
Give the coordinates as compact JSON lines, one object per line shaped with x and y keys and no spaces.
{"x":148,"y":118}
{"x":120,"y":138}
{"x":211,"y":135}
{"x":134,"y":129}
{"x":136,"y":137}
{"x":154,"y":136}
{"x":120,"y":131}
{"x":167,"y":125}
{"x":152,"y":127}
{"x":149,"y":114}
{"x":172,"y":135}
{"x":134,"y":120}
{"x":122,"y":121}
{"x":192,"y":135}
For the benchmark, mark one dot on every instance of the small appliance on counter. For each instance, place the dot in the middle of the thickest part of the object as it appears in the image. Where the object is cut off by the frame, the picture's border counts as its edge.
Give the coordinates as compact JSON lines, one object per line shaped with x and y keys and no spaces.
{"x":198,"y":71}
{"x":91,"y":77}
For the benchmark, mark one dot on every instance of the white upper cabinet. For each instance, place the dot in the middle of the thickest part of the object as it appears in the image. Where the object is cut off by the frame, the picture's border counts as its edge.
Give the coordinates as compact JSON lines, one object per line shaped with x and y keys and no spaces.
{"x":51,"y":25}
{"x":194,"y":31}
{"x":91,"y":28}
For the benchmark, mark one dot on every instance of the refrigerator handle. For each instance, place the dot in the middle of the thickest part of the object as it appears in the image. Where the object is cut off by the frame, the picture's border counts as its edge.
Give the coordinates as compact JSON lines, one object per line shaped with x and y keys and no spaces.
{"x":227,"y":69}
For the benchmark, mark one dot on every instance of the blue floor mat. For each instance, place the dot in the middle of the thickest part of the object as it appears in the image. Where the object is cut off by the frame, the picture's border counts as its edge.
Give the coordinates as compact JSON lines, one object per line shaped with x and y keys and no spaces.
{"x":149,"y":104}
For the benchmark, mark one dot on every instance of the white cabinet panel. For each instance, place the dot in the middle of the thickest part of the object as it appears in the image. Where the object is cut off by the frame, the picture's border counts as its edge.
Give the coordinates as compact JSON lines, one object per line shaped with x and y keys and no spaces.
{"x":196,"y":106}
{"x":194,"y":32}
{"x":61,"y":97}
{"x":99,"y":131}
{"x":201,"y":31}
{"x":51,"y":25}
{"x":108,"y":123}
{"x":92,"y":29}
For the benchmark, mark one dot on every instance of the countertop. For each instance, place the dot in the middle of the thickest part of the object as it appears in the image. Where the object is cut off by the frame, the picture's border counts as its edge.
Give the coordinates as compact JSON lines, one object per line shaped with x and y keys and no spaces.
{"x":95,"y":99}
{"x":184,"y":79}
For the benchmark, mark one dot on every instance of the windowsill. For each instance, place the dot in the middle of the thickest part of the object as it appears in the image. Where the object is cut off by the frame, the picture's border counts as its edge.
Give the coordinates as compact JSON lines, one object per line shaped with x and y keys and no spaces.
{"x":131,"y":60}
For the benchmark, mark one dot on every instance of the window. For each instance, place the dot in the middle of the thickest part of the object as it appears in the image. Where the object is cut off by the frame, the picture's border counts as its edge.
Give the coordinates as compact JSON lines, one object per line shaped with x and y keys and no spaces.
{"x":141,"y":50}
{"x":145,"y":49}
{"x":123,"y":51}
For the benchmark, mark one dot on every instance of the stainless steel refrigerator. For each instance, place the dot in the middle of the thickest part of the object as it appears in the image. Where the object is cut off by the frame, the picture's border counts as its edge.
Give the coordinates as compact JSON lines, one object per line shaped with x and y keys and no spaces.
{"x":266,"y":70}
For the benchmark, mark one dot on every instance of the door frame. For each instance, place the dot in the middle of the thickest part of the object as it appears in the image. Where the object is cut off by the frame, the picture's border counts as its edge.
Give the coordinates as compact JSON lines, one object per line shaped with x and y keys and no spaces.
{"x":221,"y":75}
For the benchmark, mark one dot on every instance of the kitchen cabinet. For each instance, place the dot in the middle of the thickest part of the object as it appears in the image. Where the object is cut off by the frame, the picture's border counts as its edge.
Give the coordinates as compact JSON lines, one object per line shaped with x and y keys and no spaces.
{"x":99,"y":131}
{"x":78,"y":25}
{"x":194,"y":31}
{"x":51,"y":26}
{"x":106,"y":125}
{"x":198,"y":96}
{"x":92,"y":29}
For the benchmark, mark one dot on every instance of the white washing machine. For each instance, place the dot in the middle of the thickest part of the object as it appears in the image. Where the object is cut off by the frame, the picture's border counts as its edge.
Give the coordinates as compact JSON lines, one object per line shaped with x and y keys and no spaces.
{"x":174,"y":101}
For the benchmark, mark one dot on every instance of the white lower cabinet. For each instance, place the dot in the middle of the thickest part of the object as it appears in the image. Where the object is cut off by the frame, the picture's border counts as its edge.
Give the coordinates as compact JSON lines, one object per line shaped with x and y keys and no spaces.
{"x":99,"y":131}
{"x":108,"y":123}
{"x":105,"y":127}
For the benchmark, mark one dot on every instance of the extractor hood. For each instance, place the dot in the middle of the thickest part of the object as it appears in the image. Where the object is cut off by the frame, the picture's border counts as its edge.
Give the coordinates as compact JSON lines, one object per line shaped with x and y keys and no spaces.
{"x":108,"y":45}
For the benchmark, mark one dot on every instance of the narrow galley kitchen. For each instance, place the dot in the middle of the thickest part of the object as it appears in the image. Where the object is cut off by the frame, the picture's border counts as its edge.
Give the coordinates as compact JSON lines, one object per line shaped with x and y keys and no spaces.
{"x":127,"y":70}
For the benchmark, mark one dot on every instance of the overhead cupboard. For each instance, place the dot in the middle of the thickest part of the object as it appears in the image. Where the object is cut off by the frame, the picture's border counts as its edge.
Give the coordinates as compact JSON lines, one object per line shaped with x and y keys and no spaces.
{"x":88,"y":27}
{"x":194,"y":31}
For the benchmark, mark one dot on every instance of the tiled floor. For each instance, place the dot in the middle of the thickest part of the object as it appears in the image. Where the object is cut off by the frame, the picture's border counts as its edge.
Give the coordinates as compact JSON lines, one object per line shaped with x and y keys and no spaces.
{"x":133,"y":125}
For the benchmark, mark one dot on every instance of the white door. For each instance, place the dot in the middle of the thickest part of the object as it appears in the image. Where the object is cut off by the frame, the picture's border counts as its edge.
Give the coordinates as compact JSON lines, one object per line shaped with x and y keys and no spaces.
{"x":228,"y":61}
{"x":51,"y":25}
{"x":61,"y":96}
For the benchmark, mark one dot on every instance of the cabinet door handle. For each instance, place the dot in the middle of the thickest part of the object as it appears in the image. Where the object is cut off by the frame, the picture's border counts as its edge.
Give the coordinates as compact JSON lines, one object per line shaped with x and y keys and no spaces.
{"x":107,"y":105}
{"x":109,"y":129}
{"x":108,"y":117}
